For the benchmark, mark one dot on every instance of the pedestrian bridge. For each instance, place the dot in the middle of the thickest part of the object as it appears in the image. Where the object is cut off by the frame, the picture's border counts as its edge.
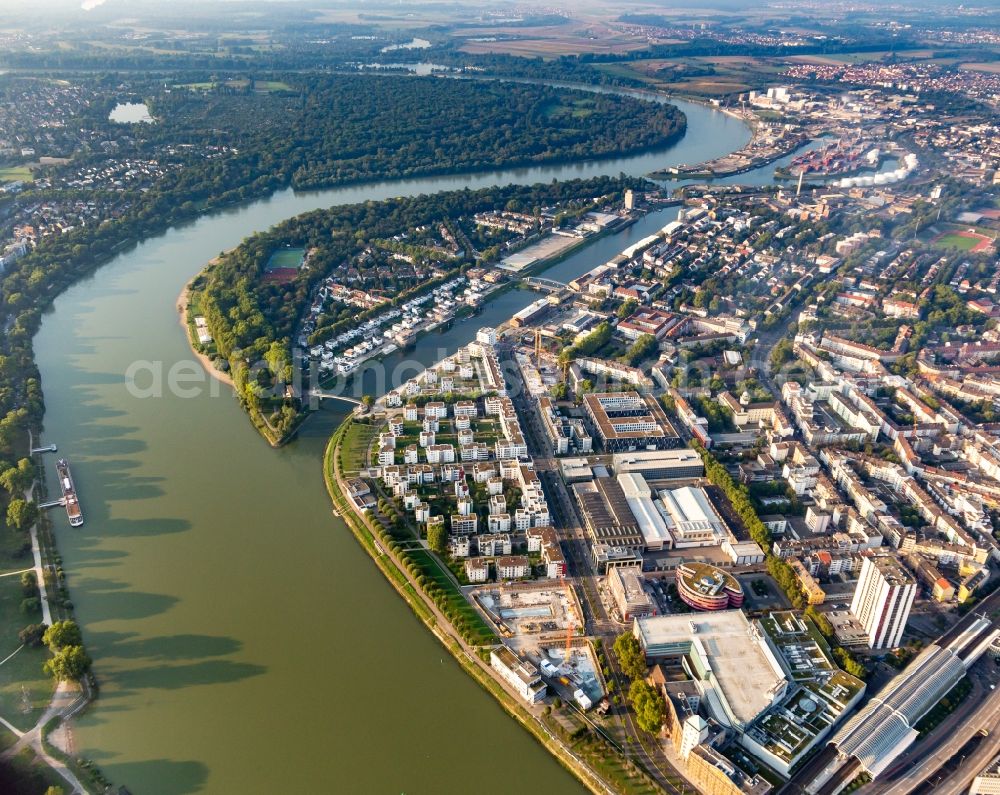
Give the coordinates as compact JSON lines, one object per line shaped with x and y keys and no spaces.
{"x":324,"y":395}
{"x":546,"y":285}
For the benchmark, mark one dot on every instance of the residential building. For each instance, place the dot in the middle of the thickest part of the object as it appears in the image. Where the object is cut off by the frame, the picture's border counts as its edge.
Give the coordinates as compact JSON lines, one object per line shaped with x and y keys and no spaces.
{"x":520,"y":674}
{"x":513,"y":568}
{"x":882,"y":600}
{"x":477,"y":569}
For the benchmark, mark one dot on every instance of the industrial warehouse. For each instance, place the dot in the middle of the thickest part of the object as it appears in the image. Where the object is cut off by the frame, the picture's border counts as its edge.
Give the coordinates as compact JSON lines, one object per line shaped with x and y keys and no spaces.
{"x":877,"y":735}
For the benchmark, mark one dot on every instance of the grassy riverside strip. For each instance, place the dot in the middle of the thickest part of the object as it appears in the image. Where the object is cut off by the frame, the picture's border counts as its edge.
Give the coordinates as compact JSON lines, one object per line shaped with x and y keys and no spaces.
{"x":474,"y":665}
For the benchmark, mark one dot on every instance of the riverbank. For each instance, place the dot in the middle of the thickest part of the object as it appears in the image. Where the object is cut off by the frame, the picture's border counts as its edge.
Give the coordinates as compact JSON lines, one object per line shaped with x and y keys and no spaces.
{"x":473,"y":660}
{"x":257,"y":418}
{"x":182,"y":309}
{"x":152,"y":517}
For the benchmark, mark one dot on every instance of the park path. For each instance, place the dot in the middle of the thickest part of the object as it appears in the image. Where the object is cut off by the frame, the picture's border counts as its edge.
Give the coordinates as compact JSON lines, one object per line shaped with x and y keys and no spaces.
{"x":66,"y":701}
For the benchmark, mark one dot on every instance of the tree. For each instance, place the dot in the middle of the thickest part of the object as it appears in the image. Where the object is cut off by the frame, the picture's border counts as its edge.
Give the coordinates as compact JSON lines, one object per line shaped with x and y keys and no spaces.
{"x":437,"y":538}
{"x":648,"y":704}
{"x":821,"y":621}
{"x":32,"y":634}
{"x":21,"y":514}
{"x":29,"y":584}
{"x":782,"y":353}
{"x":63,"y":634}
{"x":644,"y":346}
{"x":627,"y":308}
{"x":68,"y":664}
{"x":55,"y":791}
{"x":17,"y":478}
{"x":849,"y":663}
{"x":631,"y":657}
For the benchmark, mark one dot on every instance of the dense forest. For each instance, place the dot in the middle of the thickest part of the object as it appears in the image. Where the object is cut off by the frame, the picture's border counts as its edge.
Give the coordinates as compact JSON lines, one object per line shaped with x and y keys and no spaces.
{"x":321,"y":132}
{"x":317,"y":134}
{"x":252,"y":320}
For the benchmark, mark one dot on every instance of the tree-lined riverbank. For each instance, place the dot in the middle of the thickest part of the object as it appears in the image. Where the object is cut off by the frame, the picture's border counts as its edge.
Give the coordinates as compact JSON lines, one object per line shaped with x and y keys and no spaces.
{"x":193,"y":581}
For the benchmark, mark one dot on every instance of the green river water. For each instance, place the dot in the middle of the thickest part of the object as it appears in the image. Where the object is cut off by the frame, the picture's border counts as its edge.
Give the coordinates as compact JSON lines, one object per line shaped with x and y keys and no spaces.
{"x":243,"y":640}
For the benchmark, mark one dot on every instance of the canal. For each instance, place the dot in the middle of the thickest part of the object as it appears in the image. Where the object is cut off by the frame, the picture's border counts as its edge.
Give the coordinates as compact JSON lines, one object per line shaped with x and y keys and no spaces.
{"x":243,"y":640}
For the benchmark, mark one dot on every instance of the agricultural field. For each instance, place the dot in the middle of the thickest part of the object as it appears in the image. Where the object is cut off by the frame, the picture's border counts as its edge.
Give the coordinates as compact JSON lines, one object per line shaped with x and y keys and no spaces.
{"x":710,"y":76}
{"x":993,"y":67}
{"x":715,"y":76}
{"x":549,"y":41}
{"x":260,"y":86}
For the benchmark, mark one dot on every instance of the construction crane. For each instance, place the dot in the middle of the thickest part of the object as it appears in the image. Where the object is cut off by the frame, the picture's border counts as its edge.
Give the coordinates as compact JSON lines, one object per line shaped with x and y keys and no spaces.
{"x":538,"y":347}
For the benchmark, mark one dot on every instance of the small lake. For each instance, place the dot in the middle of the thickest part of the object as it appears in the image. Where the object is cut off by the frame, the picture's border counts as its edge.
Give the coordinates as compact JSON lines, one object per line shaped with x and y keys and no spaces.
{"x":420,"y":69}
{"x":130,"y":113}
{"x":413,"y":44}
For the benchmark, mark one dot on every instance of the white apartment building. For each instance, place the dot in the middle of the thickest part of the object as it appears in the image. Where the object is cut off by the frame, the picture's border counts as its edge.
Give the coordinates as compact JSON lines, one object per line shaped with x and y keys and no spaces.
{"x":882,"y":600}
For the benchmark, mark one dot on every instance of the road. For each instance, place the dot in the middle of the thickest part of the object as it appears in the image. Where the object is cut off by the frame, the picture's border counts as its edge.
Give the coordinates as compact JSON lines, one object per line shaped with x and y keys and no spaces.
{"x":443,"y":628}
{"x":568,"y":524}
{"x":65,"y":704}
{"x":958,"y":783}
{"x":951,"y":728}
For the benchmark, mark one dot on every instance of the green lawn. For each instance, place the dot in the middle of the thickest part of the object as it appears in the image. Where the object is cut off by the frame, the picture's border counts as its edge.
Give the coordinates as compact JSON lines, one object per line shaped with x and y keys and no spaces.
{"x":355,"y":445}
{"x":286,"y":258}
{"x":7,"y":738}
{"x":271,"y":85}
{"x":16,"y":174}
{"x":957,"y":241}
{"x":22,"y":683}
{"x":455,"y":602}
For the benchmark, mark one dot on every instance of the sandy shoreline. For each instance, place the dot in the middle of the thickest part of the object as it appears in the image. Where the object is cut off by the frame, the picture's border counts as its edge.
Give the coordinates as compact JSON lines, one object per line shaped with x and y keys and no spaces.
{"x":182,"y":309}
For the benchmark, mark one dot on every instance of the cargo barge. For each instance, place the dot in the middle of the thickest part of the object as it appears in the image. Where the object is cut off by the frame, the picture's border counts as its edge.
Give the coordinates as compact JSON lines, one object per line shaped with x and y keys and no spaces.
{"x":73,"y":510}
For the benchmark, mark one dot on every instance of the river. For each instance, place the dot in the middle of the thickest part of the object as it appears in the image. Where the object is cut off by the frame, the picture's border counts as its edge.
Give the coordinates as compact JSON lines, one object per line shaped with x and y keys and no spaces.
{"x":243,"y":640}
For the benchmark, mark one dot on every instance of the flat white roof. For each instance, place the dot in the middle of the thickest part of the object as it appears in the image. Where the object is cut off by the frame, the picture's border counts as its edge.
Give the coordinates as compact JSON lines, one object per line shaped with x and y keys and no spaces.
{"x":688,"y":509}
{"x":681,"y":455}
{"x":651,"y":524}
{"x":634,"y":485}
{"x":746,"y":673}
{"x":746,"y":548}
